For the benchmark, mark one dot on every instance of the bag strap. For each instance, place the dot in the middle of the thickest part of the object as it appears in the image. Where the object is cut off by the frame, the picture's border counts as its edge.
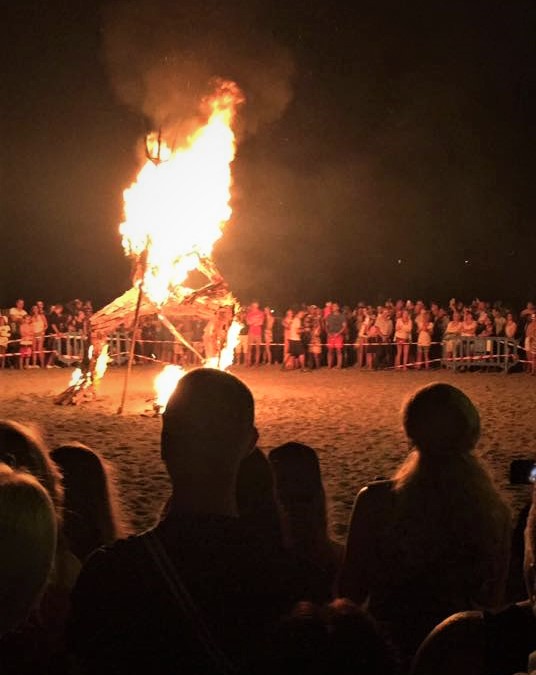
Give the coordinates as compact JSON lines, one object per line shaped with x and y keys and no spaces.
{"x":185,"y":602}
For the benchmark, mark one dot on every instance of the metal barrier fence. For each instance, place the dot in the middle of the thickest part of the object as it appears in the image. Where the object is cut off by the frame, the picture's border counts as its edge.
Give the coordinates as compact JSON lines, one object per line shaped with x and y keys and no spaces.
{"x":457,"y":353}
{"x":462,"y":353}
{"x":69,"y":348}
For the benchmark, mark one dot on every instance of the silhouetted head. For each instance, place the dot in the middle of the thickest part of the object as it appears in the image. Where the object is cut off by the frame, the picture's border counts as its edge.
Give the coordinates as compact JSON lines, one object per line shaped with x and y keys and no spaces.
{"x":22,"y":448}
{"x":28,"y":531}
{"x":441,"y":419}
{"x":296,"y":471}
{"x":90,"y":512}
{"x":208,"y":425}
{"x":300,"y":494}
{"x":323,"y":640}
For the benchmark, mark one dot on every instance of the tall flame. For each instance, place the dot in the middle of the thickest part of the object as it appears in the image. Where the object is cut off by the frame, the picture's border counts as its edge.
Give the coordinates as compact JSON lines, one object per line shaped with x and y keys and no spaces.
{"x":176,"y":208}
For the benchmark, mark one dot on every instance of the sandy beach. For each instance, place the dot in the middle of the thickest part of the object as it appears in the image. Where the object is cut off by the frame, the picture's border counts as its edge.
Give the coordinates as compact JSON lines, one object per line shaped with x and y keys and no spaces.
{"x":351,"y":417}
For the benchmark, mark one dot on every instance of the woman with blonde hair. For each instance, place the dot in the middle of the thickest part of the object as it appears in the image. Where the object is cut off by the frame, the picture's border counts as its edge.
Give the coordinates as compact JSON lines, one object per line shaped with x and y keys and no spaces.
{"x":435,"y":539}
{"x":28,"y":530}
{"x":41,"y":637}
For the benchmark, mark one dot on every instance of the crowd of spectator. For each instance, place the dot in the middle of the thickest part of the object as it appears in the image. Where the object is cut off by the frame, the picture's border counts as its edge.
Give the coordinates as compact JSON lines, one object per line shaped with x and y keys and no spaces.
{"x":240,"y":575}
{"x":32,"y":339}
{"x":401,"y":334}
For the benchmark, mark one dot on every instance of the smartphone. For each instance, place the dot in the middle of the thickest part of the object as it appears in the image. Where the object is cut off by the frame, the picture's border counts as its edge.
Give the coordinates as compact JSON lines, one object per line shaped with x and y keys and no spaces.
{"x":522,"y":472}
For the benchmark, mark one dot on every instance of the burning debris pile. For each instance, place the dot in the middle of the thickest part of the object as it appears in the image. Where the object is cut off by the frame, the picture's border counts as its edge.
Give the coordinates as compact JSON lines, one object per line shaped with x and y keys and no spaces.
{"x":174,"y":213}
{"x":85,"y":379}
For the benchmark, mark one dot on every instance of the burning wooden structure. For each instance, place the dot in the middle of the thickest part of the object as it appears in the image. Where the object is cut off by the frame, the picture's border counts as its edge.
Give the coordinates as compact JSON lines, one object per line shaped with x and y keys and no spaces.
{"x":174,"y":212}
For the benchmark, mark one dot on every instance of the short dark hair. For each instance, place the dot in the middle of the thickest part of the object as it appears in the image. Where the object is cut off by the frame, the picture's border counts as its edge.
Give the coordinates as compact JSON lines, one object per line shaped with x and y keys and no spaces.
{"x":211,"y":409}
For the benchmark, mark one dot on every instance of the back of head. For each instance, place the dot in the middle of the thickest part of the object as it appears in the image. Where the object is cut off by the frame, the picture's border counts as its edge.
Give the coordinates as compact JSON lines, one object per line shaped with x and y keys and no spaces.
{"x":22,"y":448}
{"x":336,"y":639}
{"x":208,"y":424}
{"x":297,"y":472}
{"x":90,"y":512}
{"x":28,"y":531}
{"x":440,"y":419}
{"x":300,"y":494}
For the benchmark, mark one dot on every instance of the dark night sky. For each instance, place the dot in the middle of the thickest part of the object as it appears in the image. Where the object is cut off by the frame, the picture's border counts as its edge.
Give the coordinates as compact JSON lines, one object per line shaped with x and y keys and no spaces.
{"x":409,"y":134}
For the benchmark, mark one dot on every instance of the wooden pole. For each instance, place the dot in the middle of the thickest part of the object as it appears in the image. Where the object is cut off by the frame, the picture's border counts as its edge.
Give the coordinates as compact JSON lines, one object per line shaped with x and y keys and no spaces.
{"x":142,"y":267}
{"x":167,"y":323}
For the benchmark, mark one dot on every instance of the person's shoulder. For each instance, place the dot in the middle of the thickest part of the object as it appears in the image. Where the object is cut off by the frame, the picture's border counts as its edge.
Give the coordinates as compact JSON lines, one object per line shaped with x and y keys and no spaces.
{"x":456,"y":645}
{"x":113,"y":563}
{"x":374,"y":493}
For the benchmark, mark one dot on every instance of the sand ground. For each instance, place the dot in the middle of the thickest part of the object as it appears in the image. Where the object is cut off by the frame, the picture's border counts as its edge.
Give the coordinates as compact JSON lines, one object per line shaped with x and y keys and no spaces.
{"x":351,"y":417}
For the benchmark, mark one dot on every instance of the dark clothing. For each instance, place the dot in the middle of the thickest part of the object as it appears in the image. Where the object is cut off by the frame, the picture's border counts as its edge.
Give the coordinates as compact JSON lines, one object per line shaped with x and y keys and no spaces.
{"x":334,"y":323}
{"x":510,"y":636}
{"x":58,"y":321}
{"x":124,"y":618}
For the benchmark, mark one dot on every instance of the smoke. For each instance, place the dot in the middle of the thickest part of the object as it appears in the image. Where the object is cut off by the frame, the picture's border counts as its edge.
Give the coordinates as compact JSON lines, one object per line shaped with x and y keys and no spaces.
{"x":163,"y":57}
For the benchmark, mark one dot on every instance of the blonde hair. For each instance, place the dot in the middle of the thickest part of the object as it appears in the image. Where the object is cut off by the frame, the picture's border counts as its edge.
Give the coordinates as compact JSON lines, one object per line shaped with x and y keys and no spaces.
{"x":21,"y":447}
{"x":447,"y":503}
{"x":28,"y":532}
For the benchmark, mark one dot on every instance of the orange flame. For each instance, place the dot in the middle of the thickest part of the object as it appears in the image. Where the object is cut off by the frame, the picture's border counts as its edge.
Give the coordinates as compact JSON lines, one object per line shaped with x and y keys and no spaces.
{"x":165,"y":383}
{"x":176,"y":209}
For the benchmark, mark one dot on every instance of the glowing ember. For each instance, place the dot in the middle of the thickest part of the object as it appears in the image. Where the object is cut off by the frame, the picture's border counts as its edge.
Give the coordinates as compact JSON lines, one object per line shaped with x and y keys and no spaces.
{"x":176,"y":209}
{"x":165,"y":383}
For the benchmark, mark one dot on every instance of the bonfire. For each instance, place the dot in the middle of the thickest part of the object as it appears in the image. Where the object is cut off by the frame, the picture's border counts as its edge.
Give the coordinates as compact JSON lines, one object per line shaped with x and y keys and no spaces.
{"x":174,"y":213}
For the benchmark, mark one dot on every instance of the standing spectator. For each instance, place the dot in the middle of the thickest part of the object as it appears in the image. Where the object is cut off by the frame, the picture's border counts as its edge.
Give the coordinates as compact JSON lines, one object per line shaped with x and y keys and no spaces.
{"x":335,"y":328}
{"x":287,"y":321}
{"x":530,"y":344}
{"x":26,"y":341}
{"x":499,"y":321}
{"x":296,"y":351}
{"x":469,"y":328}
{"x":373,"y":344}
{"x":315,"y":344}
{"x":452,"y":333}
{"x":39,"y":325}
{"x":16,"y":315}
{"x":268,"y":334}
{"x":441,"y":322}
{"x":362,"y":337}
{"x":403,"y":331}
{"x":424,"y":339}
{"x":384,"y":325}
{"x":58,"y":325}
{"x":307,"y":327}
{"x":510,"y":327}
{"x":254,"y":320}
{"x":241,"y":348}
{"x":148,"y":338}
{"x":469,"y":325}
{"x":5,"y":334}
